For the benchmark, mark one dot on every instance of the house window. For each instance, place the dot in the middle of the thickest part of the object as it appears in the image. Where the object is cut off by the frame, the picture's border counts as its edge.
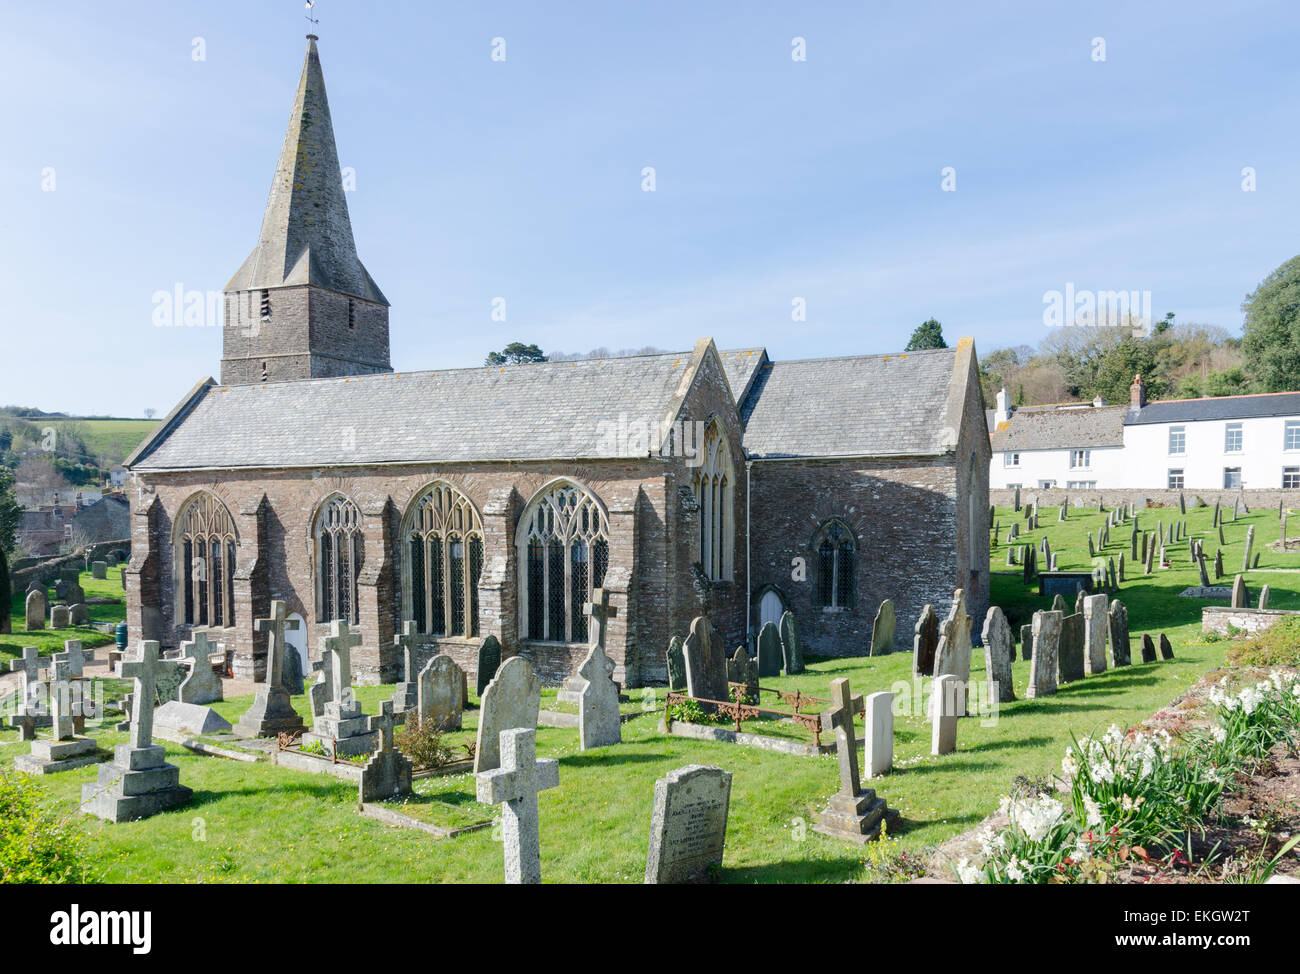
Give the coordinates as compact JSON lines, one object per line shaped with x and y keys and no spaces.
{"x":1046,"y":484}
{"x":1290,"y":477}
{"x":205,"y":562}
{"x":1081,"y":484}
{"x":714,"y":480}
{"x":1080,"y":458}
{"x":563,"y":545}
{"x":444,"y":547}
{"x":340,"y":554}
{"x":1177,"y":440}
{"x":1011,"y":459}
{"x":1232,"y":477}
{"x":1232,"y":438}
{"x":1291,"y":438}
{"x":835,"y":561}
{"x":1176,"y":479}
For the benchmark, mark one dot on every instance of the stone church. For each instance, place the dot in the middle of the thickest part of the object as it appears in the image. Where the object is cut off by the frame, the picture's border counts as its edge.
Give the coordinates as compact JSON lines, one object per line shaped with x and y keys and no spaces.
{"x":489,"y":500}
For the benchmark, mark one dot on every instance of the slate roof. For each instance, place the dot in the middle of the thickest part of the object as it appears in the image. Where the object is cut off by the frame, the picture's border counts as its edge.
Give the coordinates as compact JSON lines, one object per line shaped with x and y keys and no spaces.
{"x":1222,"y":407}
{"x":741,"y":365}
{"x":861,"y":405}
{"x":1059,"y":428}
{"x":548,"y":410}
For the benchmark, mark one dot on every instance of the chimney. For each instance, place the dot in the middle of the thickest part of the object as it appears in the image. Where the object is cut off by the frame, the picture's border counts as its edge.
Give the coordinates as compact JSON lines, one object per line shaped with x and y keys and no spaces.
{"x":1137,"y":394}
{"x":1003,"y":412}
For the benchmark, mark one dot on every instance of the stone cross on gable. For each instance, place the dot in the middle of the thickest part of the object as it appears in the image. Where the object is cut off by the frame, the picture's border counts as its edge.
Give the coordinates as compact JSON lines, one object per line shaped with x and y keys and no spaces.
{"x":61,"y":700}
{"x":144,"y":671}
{"x":840,"y":719}
{"x":514,"y":786}
{"x":339,"y":644}
{"x":383,"y":723}
{"x":276,"y":626}
{"x":601,"y":612}
{"x":410,"y":650}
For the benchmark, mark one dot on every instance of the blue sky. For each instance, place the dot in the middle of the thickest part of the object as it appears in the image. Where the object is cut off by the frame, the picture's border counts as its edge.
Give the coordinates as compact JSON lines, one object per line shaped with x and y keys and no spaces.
{"x":775,"y":179}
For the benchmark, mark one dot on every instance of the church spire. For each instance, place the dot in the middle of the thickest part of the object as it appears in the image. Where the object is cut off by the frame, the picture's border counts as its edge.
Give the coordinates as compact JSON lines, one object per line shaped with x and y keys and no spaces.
{"x":306,"y":233}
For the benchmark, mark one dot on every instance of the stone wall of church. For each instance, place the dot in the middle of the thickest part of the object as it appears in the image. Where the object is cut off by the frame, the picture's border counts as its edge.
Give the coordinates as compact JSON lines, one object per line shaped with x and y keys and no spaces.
{"x":904,"y":518}
{"x":348,"y":336}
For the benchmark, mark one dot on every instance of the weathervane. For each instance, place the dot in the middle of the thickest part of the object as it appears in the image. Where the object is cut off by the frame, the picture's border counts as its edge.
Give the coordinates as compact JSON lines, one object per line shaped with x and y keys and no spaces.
{"x":313,"y":20}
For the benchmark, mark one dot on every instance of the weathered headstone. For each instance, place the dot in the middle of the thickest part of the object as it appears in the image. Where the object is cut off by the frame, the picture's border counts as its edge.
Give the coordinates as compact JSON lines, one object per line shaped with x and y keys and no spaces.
{"x":343,"y":730}
{"x":1095,"y":623}
{"x":489,"y":661}
{"x":60,"y":618}
{"x":1026,"y":642}
{"x":1205,"y":574}
{"x":676,"y":664}
{"x":79,"y":614}
{"x":440,"y":693}
{"x":510,"y":702}
{"x":945,"y":706}
{"x":688,"y":827}
{"x":99,"y":569}
{"x":706,"y":661}
{"x":514,"y":786}
{"x":925,"y":642}
{"x":599,"y":723}
{"x":175,"y":718}
{"x":271,"y":713}
{"x":790,"y":645}
{"x":953,"y":654}
{"x":1070,"y":651}
{"x":1250,"y":543}
{"x":744,"y":671}
{"x":1058,"y":603}
{"x":139,"y":782}
{"x":853,"y":813}
{"x":406,"y":695}
{"x":769,"y":651}
{"x":29,"y":665}
{"x":202,"y":684}
{"x":1148,"y":648}
{"x":388,"y":772}
{"x":1263,"y":597}
{"x":1166,"y":650}
{"x":1117,"y":621}
{"x":1239,"y":592}
{"x":882,"y":630}
{"x":64,"y":750}
{"x":1043,"y":664}
{"x":999,"y":651}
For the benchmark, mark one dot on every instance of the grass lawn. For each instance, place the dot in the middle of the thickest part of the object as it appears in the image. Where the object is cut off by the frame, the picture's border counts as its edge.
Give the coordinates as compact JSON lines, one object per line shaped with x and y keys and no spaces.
{"x":51,"y":640}
{"x":595,"y":825}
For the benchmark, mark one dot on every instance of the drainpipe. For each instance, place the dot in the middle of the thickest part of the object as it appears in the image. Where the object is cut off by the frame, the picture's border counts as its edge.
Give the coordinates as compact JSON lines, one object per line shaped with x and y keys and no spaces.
{"x":749,"y":585}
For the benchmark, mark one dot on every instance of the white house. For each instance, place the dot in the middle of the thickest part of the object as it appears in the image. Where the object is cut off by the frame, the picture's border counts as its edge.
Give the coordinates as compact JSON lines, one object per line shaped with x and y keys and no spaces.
{"x":1223,"y":443}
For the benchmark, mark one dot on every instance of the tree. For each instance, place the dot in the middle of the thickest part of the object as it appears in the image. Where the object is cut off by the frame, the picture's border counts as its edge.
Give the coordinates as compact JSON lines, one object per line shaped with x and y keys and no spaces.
{"x":928,"y":334}
{"x":10,"y":512}
{"x":1116,"y":368}
{"x":6,"y":595}
{"x":1271,"y":344}
{"x":150,"y":413}
{"x":516,"y":353}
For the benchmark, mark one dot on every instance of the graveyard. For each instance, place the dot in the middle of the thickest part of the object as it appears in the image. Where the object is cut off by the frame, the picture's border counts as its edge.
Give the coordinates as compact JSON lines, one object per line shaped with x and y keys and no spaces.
{"x":595,"y":820}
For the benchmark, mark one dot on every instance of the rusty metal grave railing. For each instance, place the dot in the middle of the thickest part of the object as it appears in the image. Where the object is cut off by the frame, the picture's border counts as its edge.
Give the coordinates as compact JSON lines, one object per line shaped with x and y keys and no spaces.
{"x":739,"y":711}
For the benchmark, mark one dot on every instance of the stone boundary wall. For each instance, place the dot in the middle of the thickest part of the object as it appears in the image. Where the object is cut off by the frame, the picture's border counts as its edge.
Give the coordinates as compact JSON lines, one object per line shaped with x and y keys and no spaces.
{"x":1141,"y":498}
{"x":49,"y":569}
{"x":1217,"y":618}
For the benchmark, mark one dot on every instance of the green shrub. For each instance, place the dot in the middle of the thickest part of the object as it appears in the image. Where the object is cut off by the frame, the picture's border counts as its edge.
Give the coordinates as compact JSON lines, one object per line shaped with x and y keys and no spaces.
{"x":36,"y":847}
{"x":1276,"y":646}
{"x":421,"y":741}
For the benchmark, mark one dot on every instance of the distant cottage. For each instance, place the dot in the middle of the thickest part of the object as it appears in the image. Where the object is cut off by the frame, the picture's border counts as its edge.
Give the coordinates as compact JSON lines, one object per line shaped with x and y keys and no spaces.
{"x":495,"y":500}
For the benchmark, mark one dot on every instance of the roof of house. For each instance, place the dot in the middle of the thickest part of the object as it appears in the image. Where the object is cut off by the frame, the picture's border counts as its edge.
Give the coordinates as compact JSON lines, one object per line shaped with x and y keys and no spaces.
{"x":1061,"y":427}
{"x":544,"y":410}
{"x":1217,"y":408}
{"x":860,"y":405}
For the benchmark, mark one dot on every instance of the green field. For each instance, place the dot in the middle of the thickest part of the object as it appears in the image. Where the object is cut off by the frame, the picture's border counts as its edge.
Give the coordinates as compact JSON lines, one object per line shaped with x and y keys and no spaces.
{"x":114,"y":439}
{"x":595,"y":825}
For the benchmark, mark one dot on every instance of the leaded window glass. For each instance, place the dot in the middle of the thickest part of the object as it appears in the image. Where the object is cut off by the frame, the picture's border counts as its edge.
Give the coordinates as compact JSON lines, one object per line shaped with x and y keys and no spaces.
{"x":340,"y":550}
{"x":564,"y":554}
{"x":835,"y":567}
{"x":205,"y":557}
{"x":445,"y":562}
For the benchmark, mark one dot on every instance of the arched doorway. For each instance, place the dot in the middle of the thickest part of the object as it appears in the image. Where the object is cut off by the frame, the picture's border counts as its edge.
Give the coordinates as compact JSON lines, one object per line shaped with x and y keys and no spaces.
{"x":296,"y":640}
{"x":770,"y":608}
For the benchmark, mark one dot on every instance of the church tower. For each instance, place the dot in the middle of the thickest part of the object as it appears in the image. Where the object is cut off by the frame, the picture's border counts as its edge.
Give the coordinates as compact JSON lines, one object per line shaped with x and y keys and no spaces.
{"x":303,"y":306}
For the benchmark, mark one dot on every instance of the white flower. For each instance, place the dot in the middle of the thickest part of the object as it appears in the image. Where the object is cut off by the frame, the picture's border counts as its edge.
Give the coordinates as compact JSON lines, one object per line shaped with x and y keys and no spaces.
{"x":1035,"y":817}
{"x":1093,"y":810}
{"x":1014,"y":872}
{"x":1220,"y":734}
{"x":968,"y":874}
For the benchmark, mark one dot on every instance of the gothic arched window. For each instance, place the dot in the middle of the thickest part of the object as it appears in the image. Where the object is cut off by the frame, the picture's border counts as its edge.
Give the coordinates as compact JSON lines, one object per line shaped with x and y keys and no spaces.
{"x":444,"y":560}
{"x":340,"y":554}
{"x":715,"y":480}
{"x":835,"y":566}
{"x":563,"y":544}
{"x":205,"y":562}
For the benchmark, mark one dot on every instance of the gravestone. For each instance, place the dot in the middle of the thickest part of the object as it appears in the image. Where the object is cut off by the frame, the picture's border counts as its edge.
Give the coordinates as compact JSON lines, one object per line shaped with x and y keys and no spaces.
{"x":706,"y":661}
{"x":291,"y":674}
{"x":1078,"y":603}
{"x":139,"y":782}
{"x":514,"y":786}
{"x":945,"y":706}
{"x":1117,"y":621}
{"x":202,"y":684}
{"x":60,"y":618}
{"x":1043,"y":663}
{"x":1239,"y":592}
{"x":388,"y":772}
{"x":74,"y":656}
{"x":79,"y":614}
{"x":489,"y":661}
{"x":1058,"y":603}
{"x":688,"y":827}
{"x":1070,"y":650}
{"x":175,"y":718}
{"x":878,"y":710}
{"x":1205,"y":575}
{"x":1218,"y":563}
{"x":676,"y":664}
{"x":743,"y":670}
{"x":319,"y":694}
{"x":1166,"y":650}
{"x":925,"y":642}
{"x":406,"y":695}
{"x":952,"y":657}
{"x":1263,"y":597}
{"x":1250,"y":543}
{"x":1148,"y":649}
{"x":1026,"y":642}
{"x":1096,"y":620}
{"x":599,"y":723}
{"x":271,"y":713}
{"x":65,"y":750}
{"x":509,"y":702}
{"x":853,"y":813}
{"x":882,"y":630}
{"x":99,"y":569}
{"x":769,"y":651}
{"x":343,"y":730}
{"x":27,"y":707}
{"x":998,"y":654}
{"x":790,"y":644}
{"x":440,"y":693}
